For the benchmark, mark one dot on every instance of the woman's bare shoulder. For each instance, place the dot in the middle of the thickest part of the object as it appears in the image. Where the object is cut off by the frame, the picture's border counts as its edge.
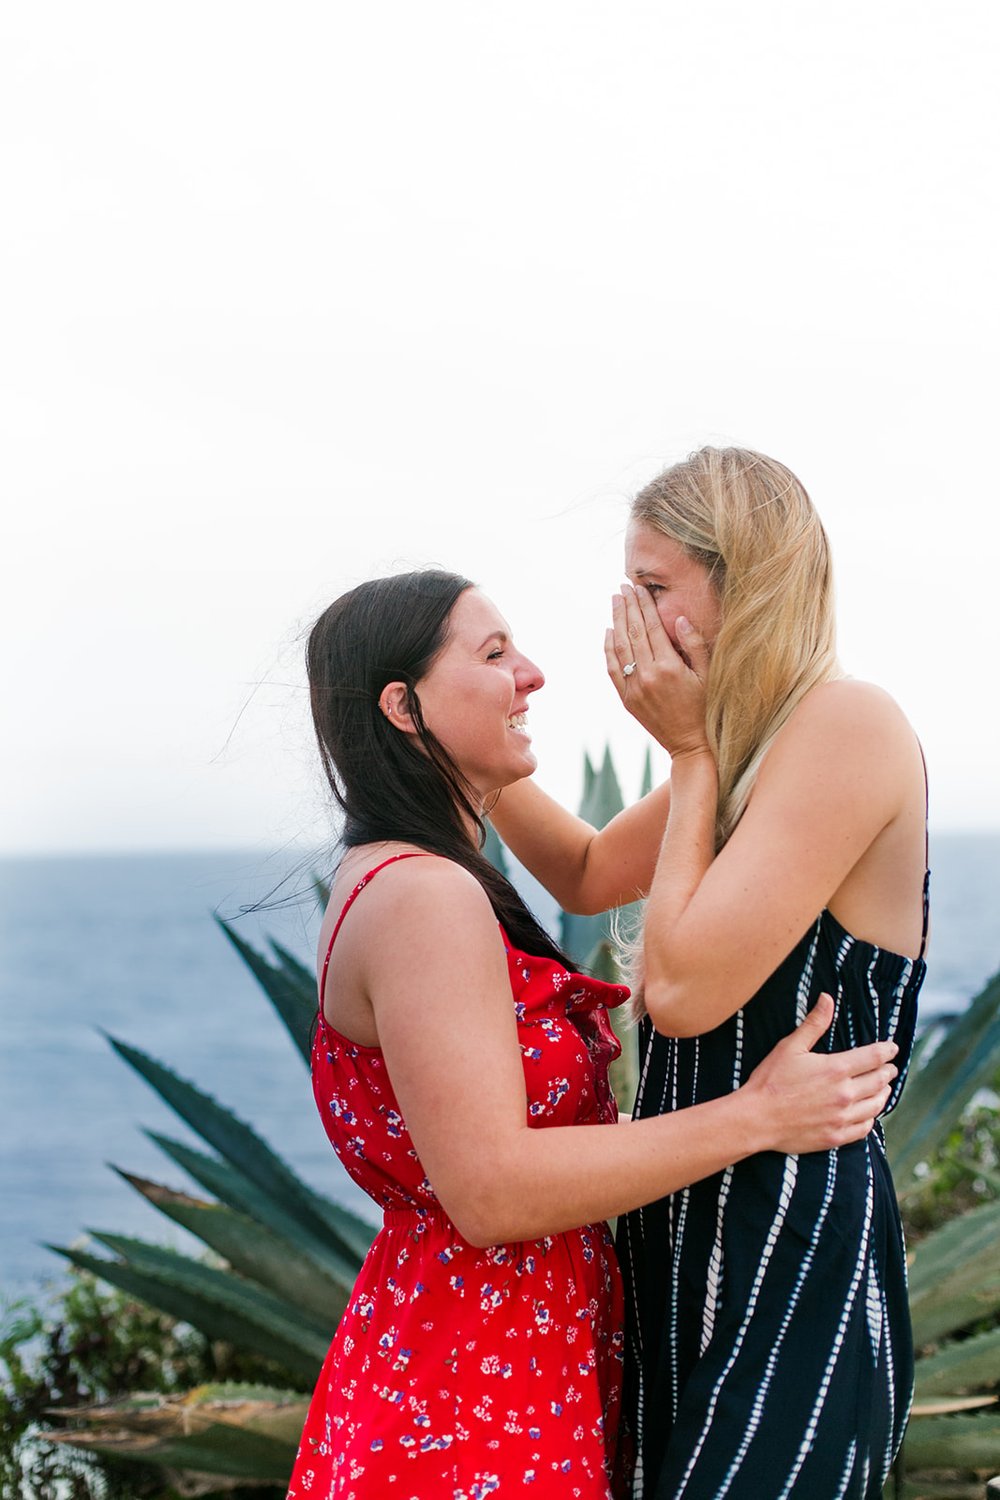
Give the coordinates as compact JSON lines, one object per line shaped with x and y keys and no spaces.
{"x":427,"y":886}
{"x":841,"y":730}
{"x":849,"y":707}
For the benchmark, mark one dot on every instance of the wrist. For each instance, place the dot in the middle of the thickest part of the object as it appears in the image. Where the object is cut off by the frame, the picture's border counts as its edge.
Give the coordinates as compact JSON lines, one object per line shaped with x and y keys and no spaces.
{"x":696,"y":752}
{"x":757,"y":1130}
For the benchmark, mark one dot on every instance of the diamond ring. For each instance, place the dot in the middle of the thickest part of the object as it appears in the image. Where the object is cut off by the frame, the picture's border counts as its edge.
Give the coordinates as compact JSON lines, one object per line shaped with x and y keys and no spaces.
{"x":628,"y":669}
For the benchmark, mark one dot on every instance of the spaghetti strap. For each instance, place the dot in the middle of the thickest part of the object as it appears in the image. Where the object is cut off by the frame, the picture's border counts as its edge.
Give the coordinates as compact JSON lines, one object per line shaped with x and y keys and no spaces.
{"x":925,"y":927}
{"x":414,"y":854}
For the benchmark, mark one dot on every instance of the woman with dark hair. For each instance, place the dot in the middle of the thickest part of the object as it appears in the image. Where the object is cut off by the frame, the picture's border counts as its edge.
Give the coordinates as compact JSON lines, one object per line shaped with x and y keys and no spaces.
{"x":481,"y":1347}
{"x":769,"y":1352}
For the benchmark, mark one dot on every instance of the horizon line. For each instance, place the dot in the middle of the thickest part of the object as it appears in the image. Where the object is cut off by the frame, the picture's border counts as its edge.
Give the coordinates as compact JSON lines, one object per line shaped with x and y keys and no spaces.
{"x":268,"y":851}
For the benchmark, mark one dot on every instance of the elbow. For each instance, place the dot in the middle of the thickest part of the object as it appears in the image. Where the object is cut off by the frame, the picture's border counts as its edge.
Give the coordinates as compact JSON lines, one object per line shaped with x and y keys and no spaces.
{"x":679,"y":1008}
{"x":587,"y":894}
{"x":479,"y":1229}
{"x":671,"y":1011}
{"x":578,"y":893}
{"x":482,"y":1236}
{"x":483,"y":1216}
{"x":579,"y":904}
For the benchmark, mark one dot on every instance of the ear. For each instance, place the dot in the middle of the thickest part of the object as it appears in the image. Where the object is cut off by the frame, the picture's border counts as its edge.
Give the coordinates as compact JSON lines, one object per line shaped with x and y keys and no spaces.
{"x":393,"y":700}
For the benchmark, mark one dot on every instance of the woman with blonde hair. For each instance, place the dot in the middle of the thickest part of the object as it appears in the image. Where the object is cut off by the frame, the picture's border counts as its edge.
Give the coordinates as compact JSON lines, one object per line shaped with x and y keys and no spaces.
{"x":769,"y":1352}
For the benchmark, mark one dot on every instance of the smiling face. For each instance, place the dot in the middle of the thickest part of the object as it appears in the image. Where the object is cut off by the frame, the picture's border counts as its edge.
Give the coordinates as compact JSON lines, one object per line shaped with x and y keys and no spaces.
{"x":474,"y":697}
{"x":678,"y":583}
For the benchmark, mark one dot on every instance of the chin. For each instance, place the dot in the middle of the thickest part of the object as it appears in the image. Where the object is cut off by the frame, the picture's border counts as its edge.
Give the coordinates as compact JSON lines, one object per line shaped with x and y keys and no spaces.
{"x":528,"y":766}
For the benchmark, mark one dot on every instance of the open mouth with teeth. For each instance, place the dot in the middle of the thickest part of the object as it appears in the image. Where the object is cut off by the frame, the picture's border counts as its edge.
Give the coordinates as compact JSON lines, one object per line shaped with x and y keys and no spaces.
{"x":519,"y":723}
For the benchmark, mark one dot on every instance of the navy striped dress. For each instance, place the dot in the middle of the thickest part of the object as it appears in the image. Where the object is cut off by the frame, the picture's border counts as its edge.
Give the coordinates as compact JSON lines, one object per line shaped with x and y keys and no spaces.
{"x":768,"y":1345}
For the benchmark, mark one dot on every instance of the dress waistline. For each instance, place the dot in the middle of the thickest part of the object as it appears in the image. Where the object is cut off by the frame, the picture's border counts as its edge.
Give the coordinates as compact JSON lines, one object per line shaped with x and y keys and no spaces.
{"x":413,"y":1215}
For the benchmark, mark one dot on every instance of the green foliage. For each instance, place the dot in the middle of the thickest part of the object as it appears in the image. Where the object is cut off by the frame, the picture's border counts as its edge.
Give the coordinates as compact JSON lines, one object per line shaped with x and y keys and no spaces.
{"x":289,"y":985}
{"x":963,"y":1173}
{"x":264,"y":1304}
{"x":950,"y":1065}
{"x":943,"y":1144}
{"x":230,"y":1436}
{"x":594,"y":941}
{"x":283,"y":1261}
{"x":84,"y":1345}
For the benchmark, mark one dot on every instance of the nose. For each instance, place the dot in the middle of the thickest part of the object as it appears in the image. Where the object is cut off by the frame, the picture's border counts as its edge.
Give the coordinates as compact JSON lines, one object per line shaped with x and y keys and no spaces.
{"x":529,"y":677}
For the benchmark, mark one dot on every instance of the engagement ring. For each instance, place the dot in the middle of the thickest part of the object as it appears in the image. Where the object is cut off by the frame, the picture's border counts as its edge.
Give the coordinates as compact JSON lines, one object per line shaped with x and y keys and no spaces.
{"x":628,"y":669}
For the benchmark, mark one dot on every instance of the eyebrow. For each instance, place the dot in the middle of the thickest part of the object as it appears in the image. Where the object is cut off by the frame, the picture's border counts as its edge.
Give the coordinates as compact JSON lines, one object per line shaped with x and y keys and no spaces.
{"x":495,"y":635}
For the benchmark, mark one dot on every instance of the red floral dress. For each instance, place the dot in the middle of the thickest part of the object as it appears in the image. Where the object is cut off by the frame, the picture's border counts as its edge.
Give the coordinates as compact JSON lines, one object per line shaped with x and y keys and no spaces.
{"x":458,"y":1373}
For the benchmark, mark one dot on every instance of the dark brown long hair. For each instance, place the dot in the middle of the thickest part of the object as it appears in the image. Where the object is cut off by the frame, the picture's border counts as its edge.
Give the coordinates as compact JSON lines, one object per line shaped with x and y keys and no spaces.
{"x":394,"y":786}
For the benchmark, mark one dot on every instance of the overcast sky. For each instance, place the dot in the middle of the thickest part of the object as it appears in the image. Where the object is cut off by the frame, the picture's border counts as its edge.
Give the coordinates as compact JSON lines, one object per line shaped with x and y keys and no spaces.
{"x":298,"y":294}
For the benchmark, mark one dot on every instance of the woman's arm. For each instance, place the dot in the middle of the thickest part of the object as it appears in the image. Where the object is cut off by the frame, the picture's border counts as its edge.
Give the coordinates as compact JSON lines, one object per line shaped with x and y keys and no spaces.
{"x":440,"y":992}
{"x":586,"y":869}
{"x":838,"y":774}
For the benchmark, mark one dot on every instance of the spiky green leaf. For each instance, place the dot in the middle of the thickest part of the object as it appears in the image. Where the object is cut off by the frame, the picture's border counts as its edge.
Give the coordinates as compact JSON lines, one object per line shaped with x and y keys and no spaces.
{"x":940,"y":1088}
{"x":254,"y":1251}
{"x":235,"y":1189}
{"x":589,"y":776}
{"x":298,"y":973}
{"x":217,"y":1448}
{"x":238,"y":1143}
{"x":290,"y":988}
{"x":243,"y":1432}
{"x":624,"y":1071}
{"x":955,"y":1275}
{"x":494,"y":851}
{"x":243,"y":1322}
{"x":960,"y":1442}
{"x":971,"y":1364}
{"x":647,"y":774}
{"x":602,"y":799}
{"x":234,"y":1292}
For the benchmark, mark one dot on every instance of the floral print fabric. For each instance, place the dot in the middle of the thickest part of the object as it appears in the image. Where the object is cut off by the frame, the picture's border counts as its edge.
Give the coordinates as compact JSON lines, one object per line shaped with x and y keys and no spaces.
{"x":459,"y":1373}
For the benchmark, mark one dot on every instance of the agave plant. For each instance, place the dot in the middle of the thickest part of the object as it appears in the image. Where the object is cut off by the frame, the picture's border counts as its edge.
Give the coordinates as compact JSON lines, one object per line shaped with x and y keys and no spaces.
{"x":955,"y":1271}
{"x":589,"y":941}
{"x":284,"y":1258}
{"x":216,"y":1437}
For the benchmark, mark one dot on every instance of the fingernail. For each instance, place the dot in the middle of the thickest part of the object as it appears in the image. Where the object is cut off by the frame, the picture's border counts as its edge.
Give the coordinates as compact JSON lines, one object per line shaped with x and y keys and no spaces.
{"x":683,"y":624}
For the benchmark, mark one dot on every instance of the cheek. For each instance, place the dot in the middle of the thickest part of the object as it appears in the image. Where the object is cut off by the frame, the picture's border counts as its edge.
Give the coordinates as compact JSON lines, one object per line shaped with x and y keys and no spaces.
{"x":668,"y":617}
{"x":710,"y":615}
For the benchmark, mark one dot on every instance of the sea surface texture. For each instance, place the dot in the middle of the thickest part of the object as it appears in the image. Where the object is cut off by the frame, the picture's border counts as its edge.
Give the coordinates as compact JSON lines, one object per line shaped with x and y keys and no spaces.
{"x":127,"y":945}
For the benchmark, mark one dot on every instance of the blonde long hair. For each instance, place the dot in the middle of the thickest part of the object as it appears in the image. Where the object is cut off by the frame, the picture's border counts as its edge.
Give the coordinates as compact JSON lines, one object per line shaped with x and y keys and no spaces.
{"x":750,"y":521}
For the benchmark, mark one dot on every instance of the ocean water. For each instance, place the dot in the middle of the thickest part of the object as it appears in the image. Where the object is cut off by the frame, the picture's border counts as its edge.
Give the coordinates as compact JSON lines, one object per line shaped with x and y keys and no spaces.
{"x":127,"y":945}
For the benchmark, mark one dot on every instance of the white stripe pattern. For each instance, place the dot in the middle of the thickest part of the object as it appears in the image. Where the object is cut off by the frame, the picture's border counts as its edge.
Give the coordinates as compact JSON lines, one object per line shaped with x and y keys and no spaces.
{"x":805,"y":978}
{"x":873,"y":1311}
{"x":789,"y":1176}
{"x":757,"y":1409}
{"x":873,"y":993}
{"x":676,"y":1248}
{"x":845,"y":1478}
{"x":810,"y":1432}
{"x":891,"y":1387}
{"x":714,"y":1270}
{"x":812,"y":1361}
